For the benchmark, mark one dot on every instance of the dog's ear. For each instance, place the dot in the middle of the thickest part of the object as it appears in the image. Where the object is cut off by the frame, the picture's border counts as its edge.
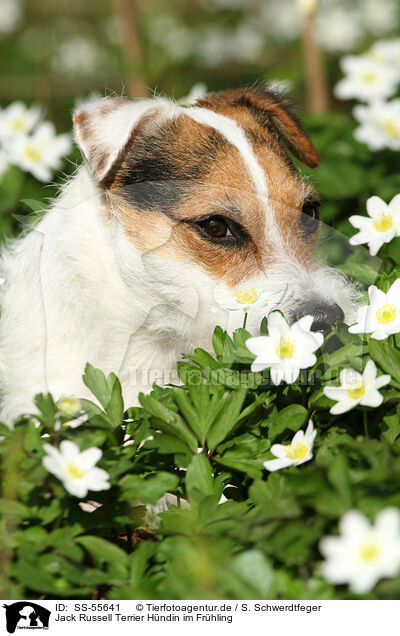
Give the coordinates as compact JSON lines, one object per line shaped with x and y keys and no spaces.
{"x":272,"y":110}
{"x":104,"y":128}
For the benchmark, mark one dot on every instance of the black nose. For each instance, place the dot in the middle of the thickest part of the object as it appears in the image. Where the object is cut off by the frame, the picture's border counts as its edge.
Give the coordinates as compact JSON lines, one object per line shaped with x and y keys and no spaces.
{"x":325,"y":316}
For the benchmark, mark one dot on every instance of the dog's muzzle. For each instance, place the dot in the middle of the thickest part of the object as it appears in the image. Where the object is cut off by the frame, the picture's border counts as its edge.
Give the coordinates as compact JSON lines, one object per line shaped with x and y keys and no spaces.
{"x":325,"y":316}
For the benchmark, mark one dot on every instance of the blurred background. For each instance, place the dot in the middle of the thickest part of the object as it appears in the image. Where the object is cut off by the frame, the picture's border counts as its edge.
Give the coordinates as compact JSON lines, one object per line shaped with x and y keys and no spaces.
{"x":53,"y":53}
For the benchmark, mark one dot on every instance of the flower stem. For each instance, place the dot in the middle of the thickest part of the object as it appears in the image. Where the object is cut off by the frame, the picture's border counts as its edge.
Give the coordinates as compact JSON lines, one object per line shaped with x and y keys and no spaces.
{"x":365,"y":420}
{"x":245,"y":319}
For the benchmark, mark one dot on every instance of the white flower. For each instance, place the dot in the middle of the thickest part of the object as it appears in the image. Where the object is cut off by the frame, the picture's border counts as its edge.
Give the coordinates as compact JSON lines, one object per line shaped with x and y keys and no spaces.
{"x":380,"y":124}
{"x":379,"y":17}
{"x":286,"y":349}
{"x":382,"y":224}
{"x":244,"y":299}
{"x":280,"y":19}
{"x":69,"y":406}
{"x":297,"y":452}
{"x":366,"y":79}
{"x":197,"y":91}
{"x":10,"y":15}
{"x":76,"y":470}
{"x":363,"y":553}
{"x":387,"y":52}
{"x":40,"y":153}
{"x":338,"y":29}
{"x":77,"y":55}
{"x":357,"y":389}
{"x":382,"y":316}
{"x":17,"y":119}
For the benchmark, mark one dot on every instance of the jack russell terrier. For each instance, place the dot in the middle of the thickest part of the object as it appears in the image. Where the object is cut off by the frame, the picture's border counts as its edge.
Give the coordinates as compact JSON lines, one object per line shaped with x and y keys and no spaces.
{"x":173,"y":206}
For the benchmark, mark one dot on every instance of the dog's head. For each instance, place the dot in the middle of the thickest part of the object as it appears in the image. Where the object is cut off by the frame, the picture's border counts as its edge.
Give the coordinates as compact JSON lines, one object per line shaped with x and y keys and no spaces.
{"x":211,"y":187}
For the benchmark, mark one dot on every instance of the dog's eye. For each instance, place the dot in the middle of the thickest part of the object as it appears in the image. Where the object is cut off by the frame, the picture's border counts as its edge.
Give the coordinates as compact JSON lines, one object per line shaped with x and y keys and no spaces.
{"x":215,"y":227}
{"x":310,"y":217}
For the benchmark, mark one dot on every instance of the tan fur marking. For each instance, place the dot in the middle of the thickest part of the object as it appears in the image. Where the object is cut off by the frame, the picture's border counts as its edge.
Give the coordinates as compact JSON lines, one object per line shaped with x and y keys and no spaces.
{"x":227,"y":179}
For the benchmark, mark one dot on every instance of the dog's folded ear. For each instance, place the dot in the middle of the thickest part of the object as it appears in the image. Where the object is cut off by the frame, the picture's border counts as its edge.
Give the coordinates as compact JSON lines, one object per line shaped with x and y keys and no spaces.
{"x":272,"y":110}
{"x":105,"y":127}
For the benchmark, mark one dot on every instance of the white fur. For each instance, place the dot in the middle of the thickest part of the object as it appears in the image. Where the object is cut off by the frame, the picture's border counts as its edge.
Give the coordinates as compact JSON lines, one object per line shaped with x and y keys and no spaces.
{"x":77,"y":291}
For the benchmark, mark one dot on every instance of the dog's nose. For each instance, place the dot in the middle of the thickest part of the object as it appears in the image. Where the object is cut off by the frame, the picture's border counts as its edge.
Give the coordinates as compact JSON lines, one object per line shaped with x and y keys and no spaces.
{"x":325,"y":316}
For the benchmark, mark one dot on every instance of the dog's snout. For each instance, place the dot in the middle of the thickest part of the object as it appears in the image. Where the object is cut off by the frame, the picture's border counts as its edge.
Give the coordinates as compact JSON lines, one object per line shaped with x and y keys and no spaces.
{"x":325,"y":316}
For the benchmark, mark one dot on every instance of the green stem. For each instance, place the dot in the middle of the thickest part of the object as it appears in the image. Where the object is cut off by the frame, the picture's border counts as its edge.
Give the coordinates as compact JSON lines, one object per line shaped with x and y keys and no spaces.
{"x":245,"y":319}
{"x":365,"y":420}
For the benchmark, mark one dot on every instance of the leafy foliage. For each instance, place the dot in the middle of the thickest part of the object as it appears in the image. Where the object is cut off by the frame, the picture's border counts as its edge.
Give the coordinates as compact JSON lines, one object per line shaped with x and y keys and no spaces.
{"x":235,"y":531}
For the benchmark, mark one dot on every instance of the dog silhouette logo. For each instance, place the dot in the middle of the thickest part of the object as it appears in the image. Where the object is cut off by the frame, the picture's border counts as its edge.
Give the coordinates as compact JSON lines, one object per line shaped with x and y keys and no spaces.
{"x":26,"y":615}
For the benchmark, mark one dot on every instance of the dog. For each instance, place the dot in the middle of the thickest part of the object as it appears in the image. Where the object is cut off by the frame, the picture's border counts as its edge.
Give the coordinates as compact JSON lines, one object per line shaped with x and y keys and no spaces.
{"x":172,"y":206}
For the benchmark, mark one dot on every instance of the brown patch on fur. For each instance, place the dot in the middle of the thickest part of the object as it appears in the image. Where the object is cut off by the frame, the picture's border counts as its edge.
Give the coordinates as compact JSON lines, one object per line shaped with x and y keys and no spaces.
{"x":272,"y":111}
{"x":173,"y":173}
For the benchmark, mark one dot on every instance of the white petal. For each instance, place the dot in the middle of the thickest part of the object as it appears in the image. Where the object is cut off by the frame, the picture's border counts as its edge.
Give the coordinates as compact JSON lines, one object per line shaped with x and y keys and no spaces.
{"x":337,"y":393}
{"x":394,"y":205}
{"x":97,"y":479}
{"x":277,"y":464}
{"x":54,"y":466}
{"x":380,"y":334}
{"x":375,"y":205}
{"x":279,"y":450}
{"x":349,"y":377}
{"x":354,"y":524}
{"x":393,"y":295}
{"x":369,"y":373}
{"x":88,"y":458}
{"x":382,"y":380}
{"x":76,"y":487}
{"x":276,"y":375}
{"x":376,"y":296}
{"x":375,"y":245}
{"x":387,"y":522}
{"x":372,"y":398}
{"x":263,"y":347}
{"x":343,"y":406}
{"x":360,"y":222}
{"x":298,"y":438}
{"x":275,"y":319}
{"x":305,"y":322}
{"x":69,"y":450}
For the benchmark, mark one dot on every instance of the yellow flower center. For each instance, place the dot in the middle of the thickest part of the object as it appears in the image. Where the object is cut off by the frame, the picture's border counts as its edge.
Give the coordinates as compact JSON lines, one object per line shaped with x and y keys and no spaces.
{"x":246,"y":296}
{"x":299,"y":451}
{"x":369,"y":551}
{"x":356,"y":391}
{"x":383,"y":222}
{"x":32,"y":153}
{"x":386,"y":314}
{"x":69,"y":406}
{"x":17,"y":124}
{"x":285,"y":348}
{"x":369,"y":77}
{"x":390,"y":127}
{"x":73,"y":471}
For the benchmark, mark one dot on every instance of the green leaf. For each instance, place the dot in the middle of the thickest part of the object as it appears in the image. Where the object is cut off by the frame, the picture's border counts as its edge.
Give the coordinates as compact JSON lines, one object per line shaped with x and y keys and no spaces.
{"x":292,"y":417}
{"x":392,"y":427}
{"x":226,"y":420}
{"x":108,"y":392}
{"x":387,"y":358}
{"x":189,"y":412}
{"x":168,"y":420}
{"x":148,"y":490}
{"x":253,"y":567}
{"x":47,"y":408}
{"x":199,"y":477}
{"x":102,"y":550}
{"x":32,"y":441}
